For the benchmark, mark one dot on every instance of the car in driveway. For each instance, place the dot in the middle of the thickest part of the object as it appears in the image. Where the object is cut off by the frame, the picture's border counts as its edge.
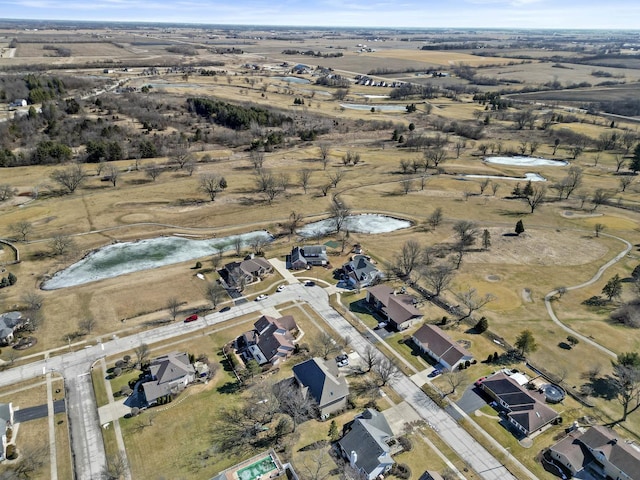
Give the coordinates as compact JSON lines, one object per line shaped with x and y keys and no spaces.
{"x":478,"y":382}
{"x":381,"y":325}
{"x":281,"y":288}
{"x":342,"y":360}
{"x":225,"y":309}
{"x":191,"y":318}
{"x":435,"y":373}
{"x":259,"y":298}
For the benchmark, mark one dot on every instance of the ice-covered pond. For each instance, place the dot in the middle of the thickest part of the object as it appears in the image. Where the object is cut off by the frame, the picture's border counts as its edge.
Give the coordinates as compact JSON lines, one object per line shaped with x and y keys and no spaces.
{"x":364,"y":223}
{"x":380,"y":107}
{"x":534,"y":177}
{"x":521,"y":161}
{"x":128,"y":257}
{"x":293,"y":80}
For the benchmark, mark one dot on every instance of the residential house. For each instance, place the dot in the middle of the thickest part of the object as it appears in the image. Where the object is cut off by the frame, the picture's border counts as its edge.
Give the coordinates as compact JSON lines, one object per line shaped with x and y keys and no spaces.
{"x":10,"y":322}
{"x":597,"y":452}
{"x":169,"y":375}
{"x":20,"y":102}
{"x":6,"y":424}
{"x":271,"y":341}
{"x":311,"y":255}
{"x":366,"y":444}
{"x":397,"y":308}
{"x":236,"y":275}
{"x":361,"y":272}
{"x":322,"y":381}
{"x":527,"y":413}
{"x":439,"y":346}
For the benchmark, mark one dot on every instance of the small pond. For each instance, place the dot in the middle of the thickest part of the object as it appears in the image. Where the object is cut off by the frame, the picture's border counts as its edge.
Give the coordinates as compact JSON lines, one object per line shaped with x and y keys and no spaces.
{"x":364,"y":223}
{"x":382,"y":108}
{"x":128,"y":257}
{"x":534,"y":177}
{"x":293,"y":79}
{"x":521,"y":161}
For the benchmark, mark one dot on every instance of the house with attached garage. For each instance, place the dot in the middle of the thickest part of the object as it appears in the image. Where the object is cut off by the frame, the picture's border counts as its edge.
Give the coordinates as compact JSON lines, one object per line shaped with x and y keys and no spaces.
{"x":168,"y":375}
{"x":322,"y":381}
{"x":361,"y":272}
{"x":366,"y":444}
{"x":271,"y":341}
{"x":397,"y":308}
{"x":10,"y":323}
{"x":431,"y":340}
{"x":310,"y":255}
{"x":236,"y":275}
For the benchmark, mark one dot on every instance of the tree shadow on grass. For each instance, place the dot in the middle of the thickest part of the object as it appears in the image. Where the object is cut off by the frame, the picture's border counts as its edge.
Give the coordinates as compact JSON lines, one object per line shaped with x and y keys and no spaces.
{"x":602,"y":387}
{"x":229,"y":388}
{"x":509,"y":213}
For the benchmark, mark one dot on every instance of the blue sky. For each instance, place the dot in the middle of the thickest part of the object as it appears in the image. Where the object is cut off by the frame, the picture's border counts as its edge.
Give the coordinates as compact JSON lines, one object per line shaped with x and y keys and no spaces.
{"x":553,"y":14}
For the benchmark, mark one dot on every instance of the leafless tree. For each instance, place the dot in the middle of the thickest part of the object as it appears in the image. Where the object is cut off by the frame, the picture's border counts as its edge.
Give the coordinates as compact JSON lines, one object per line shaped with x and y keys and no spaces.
{"x":237,"y":244}
{"x":386,"y":370}
{"x":181,"y":155}
{"x":435,"y":218}
{"x":113,"y":173}
{"x":409,"y":258}
{"x":293,"y":224}
{"x":293,"y":402}
{"x":326,"y":345}
{"x":33,"y":301}
{"x":304,"y":177}
{"x":23,"y":228}
{"x":116,"y":467}
{"x":87,"y":324}
{"x":536,"y":198}
{"x":467,"y":233}
{"x":32,"y":459}
{"x":257,"y":244}
{"x":6,"y":192}
{"x":533,"y":147}
{"x":142,"y":352}
{"x":494,"y":188}
{"x":435,"y":156}
{"x":454,"y":379}
{"x":257,"y":159}
{"x":619,"y":159}
{"x":211,"y":184}
{"x":317,"y":465}
{"x":338,"y":211}
{"x":483,"y":185}
{"x":438,"y":277}
{"x":324,"y":154}
{"x":459,"y":145}
{"x":472,"y":301}
{"x":424,"y":178}
{"x":173,"y":306}
{"x":153,"y":170}
{"x":343,"y":238}
{"x":600,"y":196}
{"x":370,"y":357}
{"x":190,"y":167}
{"x":70,"y":178}
{"x":597,"y":228}
{"x":625,"y":181}
{"x":406,"y":184}
{"x":61,"y":244}
{"x":336,"y":177}
{"x":215,"y":293}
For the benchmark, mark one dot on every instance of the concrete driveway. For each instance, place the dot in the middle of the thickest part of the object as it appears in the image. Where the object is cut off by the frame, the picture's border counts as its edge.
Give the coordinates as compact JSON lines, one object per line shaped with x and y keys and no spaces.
{"x":471,"y":400}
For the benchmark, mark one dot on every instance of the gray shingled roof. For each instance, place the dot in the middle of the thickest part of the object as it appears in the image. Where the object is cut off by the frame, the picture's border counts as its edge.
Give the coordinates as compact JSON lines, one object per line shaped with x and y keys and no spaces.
{"x":367,"y":438}
{"x":322,"y":380}
{"x":617,"y":451}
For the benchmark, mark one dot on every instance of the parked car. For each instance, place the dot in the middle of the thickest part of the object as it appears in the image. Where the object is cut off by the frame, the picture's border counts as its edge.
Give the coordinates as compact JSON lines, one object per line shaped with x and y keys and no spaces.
{"x":281,"y":288}
{"x":343,"y":363}
{"x":309,"y":283}
{"x":191,"y":318}
{"x":435,"y":372}
{"x":225,"y":309}
{"x":259,"y":298}
{"x":382,"y":325}
{"x":479,"y":381}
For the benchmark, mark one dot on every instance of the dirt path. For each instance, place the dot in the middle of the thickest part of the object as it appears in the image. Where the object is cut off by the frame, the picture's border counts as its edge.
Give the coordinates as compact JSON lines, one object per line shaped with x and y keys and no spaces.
{"x":595,"y":278}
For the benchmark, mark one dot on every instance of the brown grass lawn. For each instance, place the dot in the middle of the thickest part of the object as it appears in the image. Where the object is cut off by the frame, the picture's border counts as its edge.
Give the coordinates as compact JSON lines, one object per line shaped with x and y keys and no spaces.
{"x":29,"y":438}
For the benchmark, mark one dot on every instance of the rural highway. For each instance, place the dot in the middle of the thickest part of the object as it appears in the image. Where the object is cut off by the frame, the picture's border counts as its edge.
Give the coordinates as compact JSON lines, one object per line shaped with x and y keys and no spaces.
{"x":86,"y":438}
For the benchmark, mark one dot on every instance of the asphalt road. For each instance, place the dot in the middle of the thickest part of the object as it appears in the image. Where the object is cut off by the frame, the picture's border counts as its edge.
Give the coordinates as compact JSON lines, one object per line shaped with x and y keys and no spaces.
{"x":39,"y":411}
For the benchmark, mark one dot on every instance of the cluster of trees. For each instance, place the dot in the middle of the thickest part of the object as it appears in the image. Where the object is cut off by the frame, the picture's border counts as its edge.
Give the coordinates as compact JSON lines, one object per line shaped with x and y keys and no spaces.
{"x":533,"y":195}
{"x":234,"y":116}
{"x":9,"y":280}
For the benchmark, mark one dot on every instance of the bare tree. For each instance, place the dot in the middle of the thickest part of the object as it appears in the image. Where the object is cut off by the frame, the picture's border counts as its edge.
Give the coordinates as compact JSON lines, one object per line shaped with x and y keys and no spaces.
{"x":317,"y":465}
{"x":467,"y":233}
{"x":597,"y":228}
{"x":23,"y":228}
{"x":33,"y":301}
{"x":625,"y":181}
{"x":87,"y":324}
{"x":619,"y":159}
{"x":211,"y":184}
{"x":61,"y":244}
{"x":116,"y":467}
{"x":454,"y":379}
{"x":257,"y":159}
{"x":435,"y":218}
{"x":173,"y":306}
{"x":483,"y":185}
{"x":142,"y":352}
{"x":600,"y":197}
{"x":153,"y":170}
{"x":293,"y":402}
{"x":293,"y":224}
{"x":32,"y":459}
{"x":70,"y":178}
{"x":326,"y":345}
{"x":406,"y":184}
{"x":409,"y":258}
{"x":536,"y":198}
{"x":113,"y":173}
{"x":459,"y":145}
{"x":438,"y":277}
{"x":6,"y":192}
{"x":304,"y":177}
{"x":336,"y":177}
{"x":215,"y":293}
{"x":473,"y":302}
{"x":181,"y":155}
{"x":338,"y":211}
{"x":435,"y":156}
{"x":324,"y":154}
{"x":370,"y":357}
{"x":190,"y":167}
{"x":386,"y":370}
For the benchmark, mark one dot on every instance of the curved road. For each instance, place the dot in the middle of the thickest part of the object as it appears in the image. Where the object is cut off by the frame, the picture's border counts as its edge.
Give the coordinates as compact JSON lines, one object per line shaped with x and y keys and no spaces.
{"x":592,"y":280}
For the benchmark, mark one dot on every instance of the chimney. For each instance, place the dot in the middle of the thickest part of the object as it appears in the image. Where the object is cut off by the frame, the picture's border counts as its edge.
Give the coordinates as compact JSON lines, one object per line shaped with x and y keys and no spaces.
{"x":353,"y":458}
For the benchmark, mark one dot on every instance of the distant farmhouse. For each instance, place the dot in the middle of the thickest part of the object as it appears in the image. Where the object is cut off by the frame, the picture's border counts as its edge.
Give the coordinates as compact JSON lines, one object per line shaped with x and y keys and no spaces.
{"x":303,"y":257}
{"x":437,"y":344}
{"x":271,"y":341}
{"x":169,"y":375}
{"x":397,"y":308}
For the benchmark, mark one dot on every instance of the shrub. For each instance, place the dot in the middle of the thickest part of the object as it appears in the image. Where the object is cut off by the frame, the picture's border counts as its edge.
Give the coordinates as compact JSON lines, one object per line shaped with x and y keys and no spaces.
{"x":572,"y":340}
{"x":12,"y":279}
{"x":406,"y":443}
{"x":595,"y":301}
{"x":198,"y":264}
{"x":12,"y":454}
{"x":482,"y":325}
{"x":117,"y":371}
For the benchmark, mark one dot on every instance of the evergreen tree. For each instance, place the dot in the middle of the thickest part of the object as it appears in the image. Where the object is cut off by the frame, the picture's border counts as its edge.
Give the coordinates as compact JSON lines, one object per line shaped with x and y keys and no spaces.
{"x":519,"y":227}
{"x":634,"y":166}
{"x":613,"y":288}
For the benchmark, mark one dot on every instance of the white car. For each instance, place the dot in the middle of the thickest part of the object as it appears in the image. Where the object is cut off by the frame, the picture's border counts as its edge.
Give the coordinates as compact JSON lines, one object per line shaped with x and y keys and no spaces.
{"x":382,"y":325}
{"x":259,"y":298}
{"x":280,"y":288}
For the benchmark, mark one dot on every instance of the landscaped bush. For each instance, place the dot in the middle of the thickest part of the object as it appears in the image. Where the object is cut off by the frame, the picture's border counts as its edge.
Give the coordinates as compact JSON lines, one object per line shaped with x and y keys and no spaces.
{"x":401,"y":470}
{"x":595,"y":301}
{"x":406,"y":443}
{"x":12,"y":454}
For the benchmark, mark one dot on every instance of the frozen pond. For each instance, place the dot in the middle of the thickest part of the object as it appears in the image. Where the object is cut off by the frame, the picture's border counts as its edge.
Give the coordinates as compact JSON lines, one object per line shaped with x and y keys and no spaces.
{"x":382,"y":108}
{"x":293,"y":79}
{"x":365,"y":223}
{"x":534,"y":177}
{"x":520,"y":161}
{"x":128,"y":257}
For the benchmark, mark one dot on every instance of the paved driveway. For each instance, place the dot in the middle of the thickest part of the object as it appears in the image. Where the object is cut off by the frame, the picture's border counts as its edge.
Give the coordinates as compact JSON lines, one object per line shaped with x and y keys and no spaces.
{"x":32,"y":413}
{"x":471,"y":400}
